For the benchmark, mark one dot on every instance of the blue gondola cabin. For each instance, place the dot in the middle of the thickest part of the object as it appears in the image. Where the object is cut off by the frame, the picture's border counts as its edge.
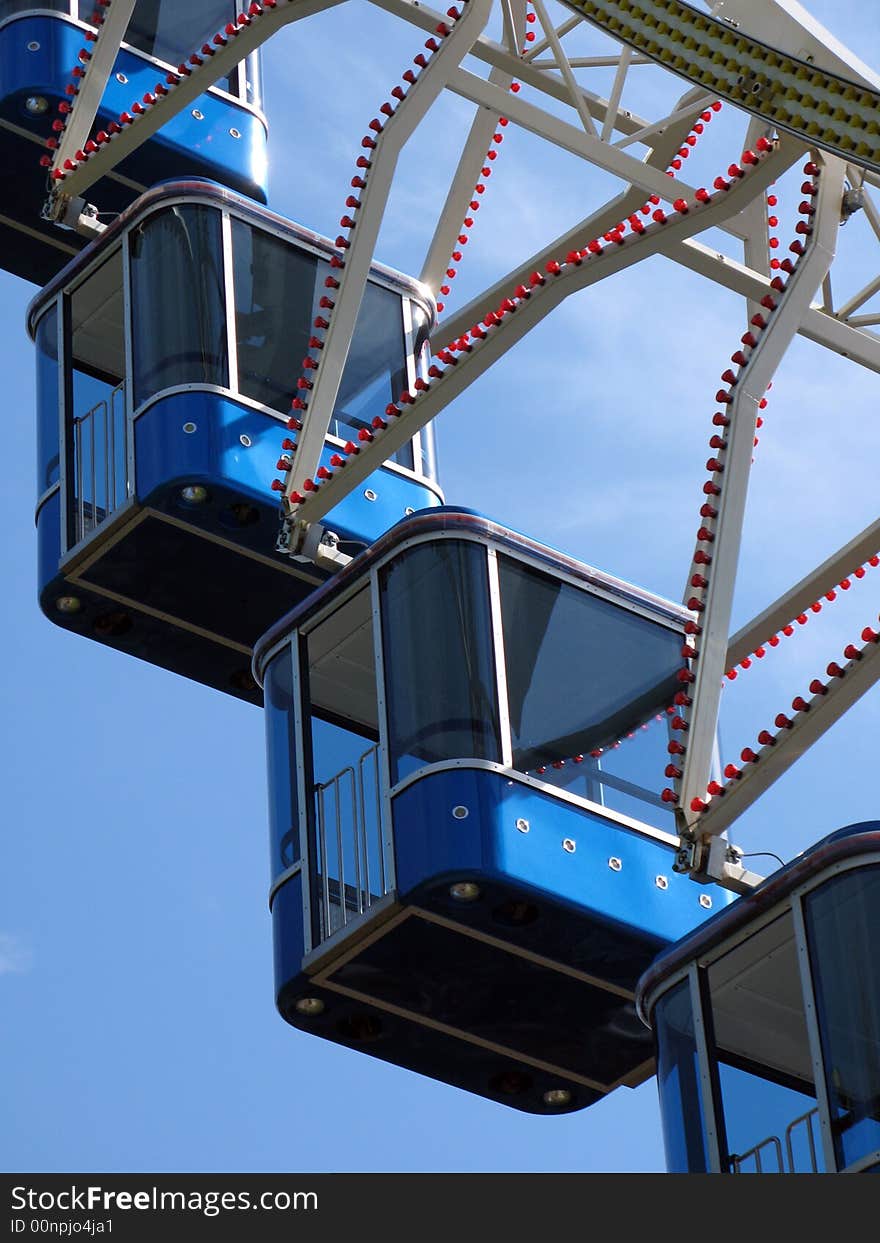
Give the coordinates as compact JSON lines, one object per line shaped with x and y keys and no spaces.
{"x":167,"y":354}
{"x":767,"y":1022}
{"x":471,"y":861}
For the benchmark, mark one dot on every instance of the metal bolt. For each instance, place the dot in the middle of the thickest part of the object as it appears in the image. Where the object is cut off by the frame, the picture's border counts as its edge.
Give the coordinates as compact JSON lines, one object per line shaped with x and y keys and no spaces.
{"x":614,"y":863}
{"x":310,"y":1006}
{"x":234,"y":133}
{"x":705,"y":901}
{"x":569,"y":846}
{"x":370,"y":494}
{"x":460,"y":813}
{"x":246,"y":441}
{"x":120,"y":77}
{"x":199,"y":116}
{"x":523,"y":825}
{"x":661,"y":882}
{"x":189,"y":428}
{"x":33,"y":46}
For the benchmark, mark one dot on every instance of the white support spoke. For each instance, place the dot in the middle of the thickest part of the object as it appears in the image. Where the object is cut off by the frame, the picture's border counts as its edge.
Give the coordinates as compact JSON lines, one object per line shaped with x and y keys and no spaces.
{"x":96,"y":74}
{"x":859,"y":299}
{"x":359,"y":256}
{"x":566,"y":71}
{"x":529,"y":312}
{"x":717,"y":603}
{"x":823,"y":329}
{"x":657,"y":127}
{"x":461,"y":188}
{"x":823,"y":710}
{"x":594,"y":225}
{"x":626,"y":55}
{"x":569,"y":138}
{"x":799,"y":598}
{"x":561,"y":31}
{"x":827,"y":296}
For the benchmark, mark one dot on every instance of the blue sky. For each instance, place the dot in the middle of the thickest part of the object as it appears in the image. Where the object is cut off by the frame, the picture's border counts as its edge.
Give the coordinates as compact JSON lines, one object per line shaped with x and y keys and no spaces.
{"x":137,"y":1025}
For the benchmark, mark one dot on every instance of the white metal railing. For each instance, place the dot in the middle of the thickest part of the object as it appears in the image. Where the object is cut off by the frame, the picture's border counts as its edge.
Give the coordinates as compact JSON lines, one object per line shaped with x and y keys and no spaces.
{"x":350,"y":868}
{"x":753,"y":1162}
{"x":100,"y":463}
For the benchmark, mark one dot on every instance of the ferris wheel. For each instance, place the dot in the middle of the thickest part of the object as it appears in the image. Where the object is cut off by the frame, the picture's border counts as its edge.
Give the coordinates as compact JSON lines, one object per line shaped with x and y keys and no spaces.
{"x":172,"y":544}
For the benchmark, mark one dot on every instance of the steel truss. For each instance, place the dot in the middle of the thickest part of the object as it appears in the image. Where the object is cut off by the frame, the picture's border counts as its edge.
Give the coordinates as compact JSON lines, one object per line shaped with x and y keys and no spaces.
{"x":803,"y":96}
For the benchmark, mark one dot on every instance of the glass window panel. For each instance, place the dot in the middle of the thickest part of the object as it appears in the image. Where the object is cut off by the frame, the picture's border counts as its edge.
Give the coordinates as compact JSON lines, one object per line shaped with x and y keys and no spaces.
{"x":170,"y":30}
{"x":275,"y":295}
{"x":771,"y":1128}
{"x":178,"y":301}
{"x":281,"y":759}
{"x":439,"y":664}
{"x":96,"y":421}
{"x":763,"y":1053}
{"x":678,"y":1082}
{"x":348,"y":862}
{"x":349,"y":870}
{"x":48,"y":466}
{"x":582,"y":674}
{"x":278,"y":286}
{"x":843,"y":923}
{"x":375,"y":373}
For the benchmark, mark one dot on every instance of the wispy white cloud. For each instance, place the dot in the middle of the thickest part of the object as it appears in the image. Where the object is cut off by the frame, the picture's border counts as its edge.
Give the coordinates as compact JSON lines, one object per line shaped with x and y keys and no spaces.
{"x":15,"y":956}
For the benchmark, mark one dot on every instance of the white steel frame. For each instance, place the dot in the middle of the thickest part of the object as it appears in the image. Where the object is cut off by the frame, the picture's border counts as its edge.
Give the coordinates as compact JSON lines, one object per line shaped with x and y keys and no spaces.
{"x":602,"y":132}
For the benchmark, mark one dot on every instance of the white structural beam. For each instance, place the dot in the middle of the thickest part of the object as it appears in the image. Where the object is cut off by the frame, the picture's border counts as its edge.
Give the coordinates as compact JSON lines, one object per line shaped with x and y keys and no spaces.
{"x":799,"y":598}
{"x":95,"y":70}
{"x":594,"y":225}
{"x":714,"y":582}
{"x":817,"y":325}
{"x":821,"y":711}
{"x":341,"y":317}
{"x":528,"y":312}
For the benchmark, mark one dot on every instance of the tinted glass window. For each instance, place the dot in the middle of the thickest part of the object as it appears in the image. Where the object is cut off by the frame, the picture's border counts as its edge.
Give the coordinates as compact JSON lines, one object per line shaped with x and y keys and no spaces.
{"x":170,"y":30}
{"x":178,"y":304}
{"x":275,"y":293}
{"x":439,"y":667}
{"x":47,"y":401}
{"x":281,"y":757}
{"x":678,"y":1081}
{"x":375,"y":373}
{"x":278,"y":287}
{"x":581,"y":672}
{"x":95,"y":422}
{"x":843,"y":922}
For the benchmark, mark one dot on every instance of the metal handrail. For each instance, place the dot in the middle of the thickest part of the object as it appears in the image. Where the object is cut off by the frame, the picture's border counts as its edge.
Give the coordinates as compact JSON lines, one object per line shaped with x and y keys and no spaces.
{"x":99,"y":490}
{"x":352,"y":834}
{"x":773,"y":1141}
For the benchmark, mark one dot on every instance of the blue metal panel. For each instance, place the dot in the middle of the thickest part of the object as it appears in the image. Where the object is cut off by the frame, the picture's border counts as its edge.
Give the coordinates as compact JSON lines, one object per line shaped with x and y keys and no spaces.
{"x":434,"y":847}
{"x":167,"y":457}
{"x":288,"y":933}
{"x":49,"y":539}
